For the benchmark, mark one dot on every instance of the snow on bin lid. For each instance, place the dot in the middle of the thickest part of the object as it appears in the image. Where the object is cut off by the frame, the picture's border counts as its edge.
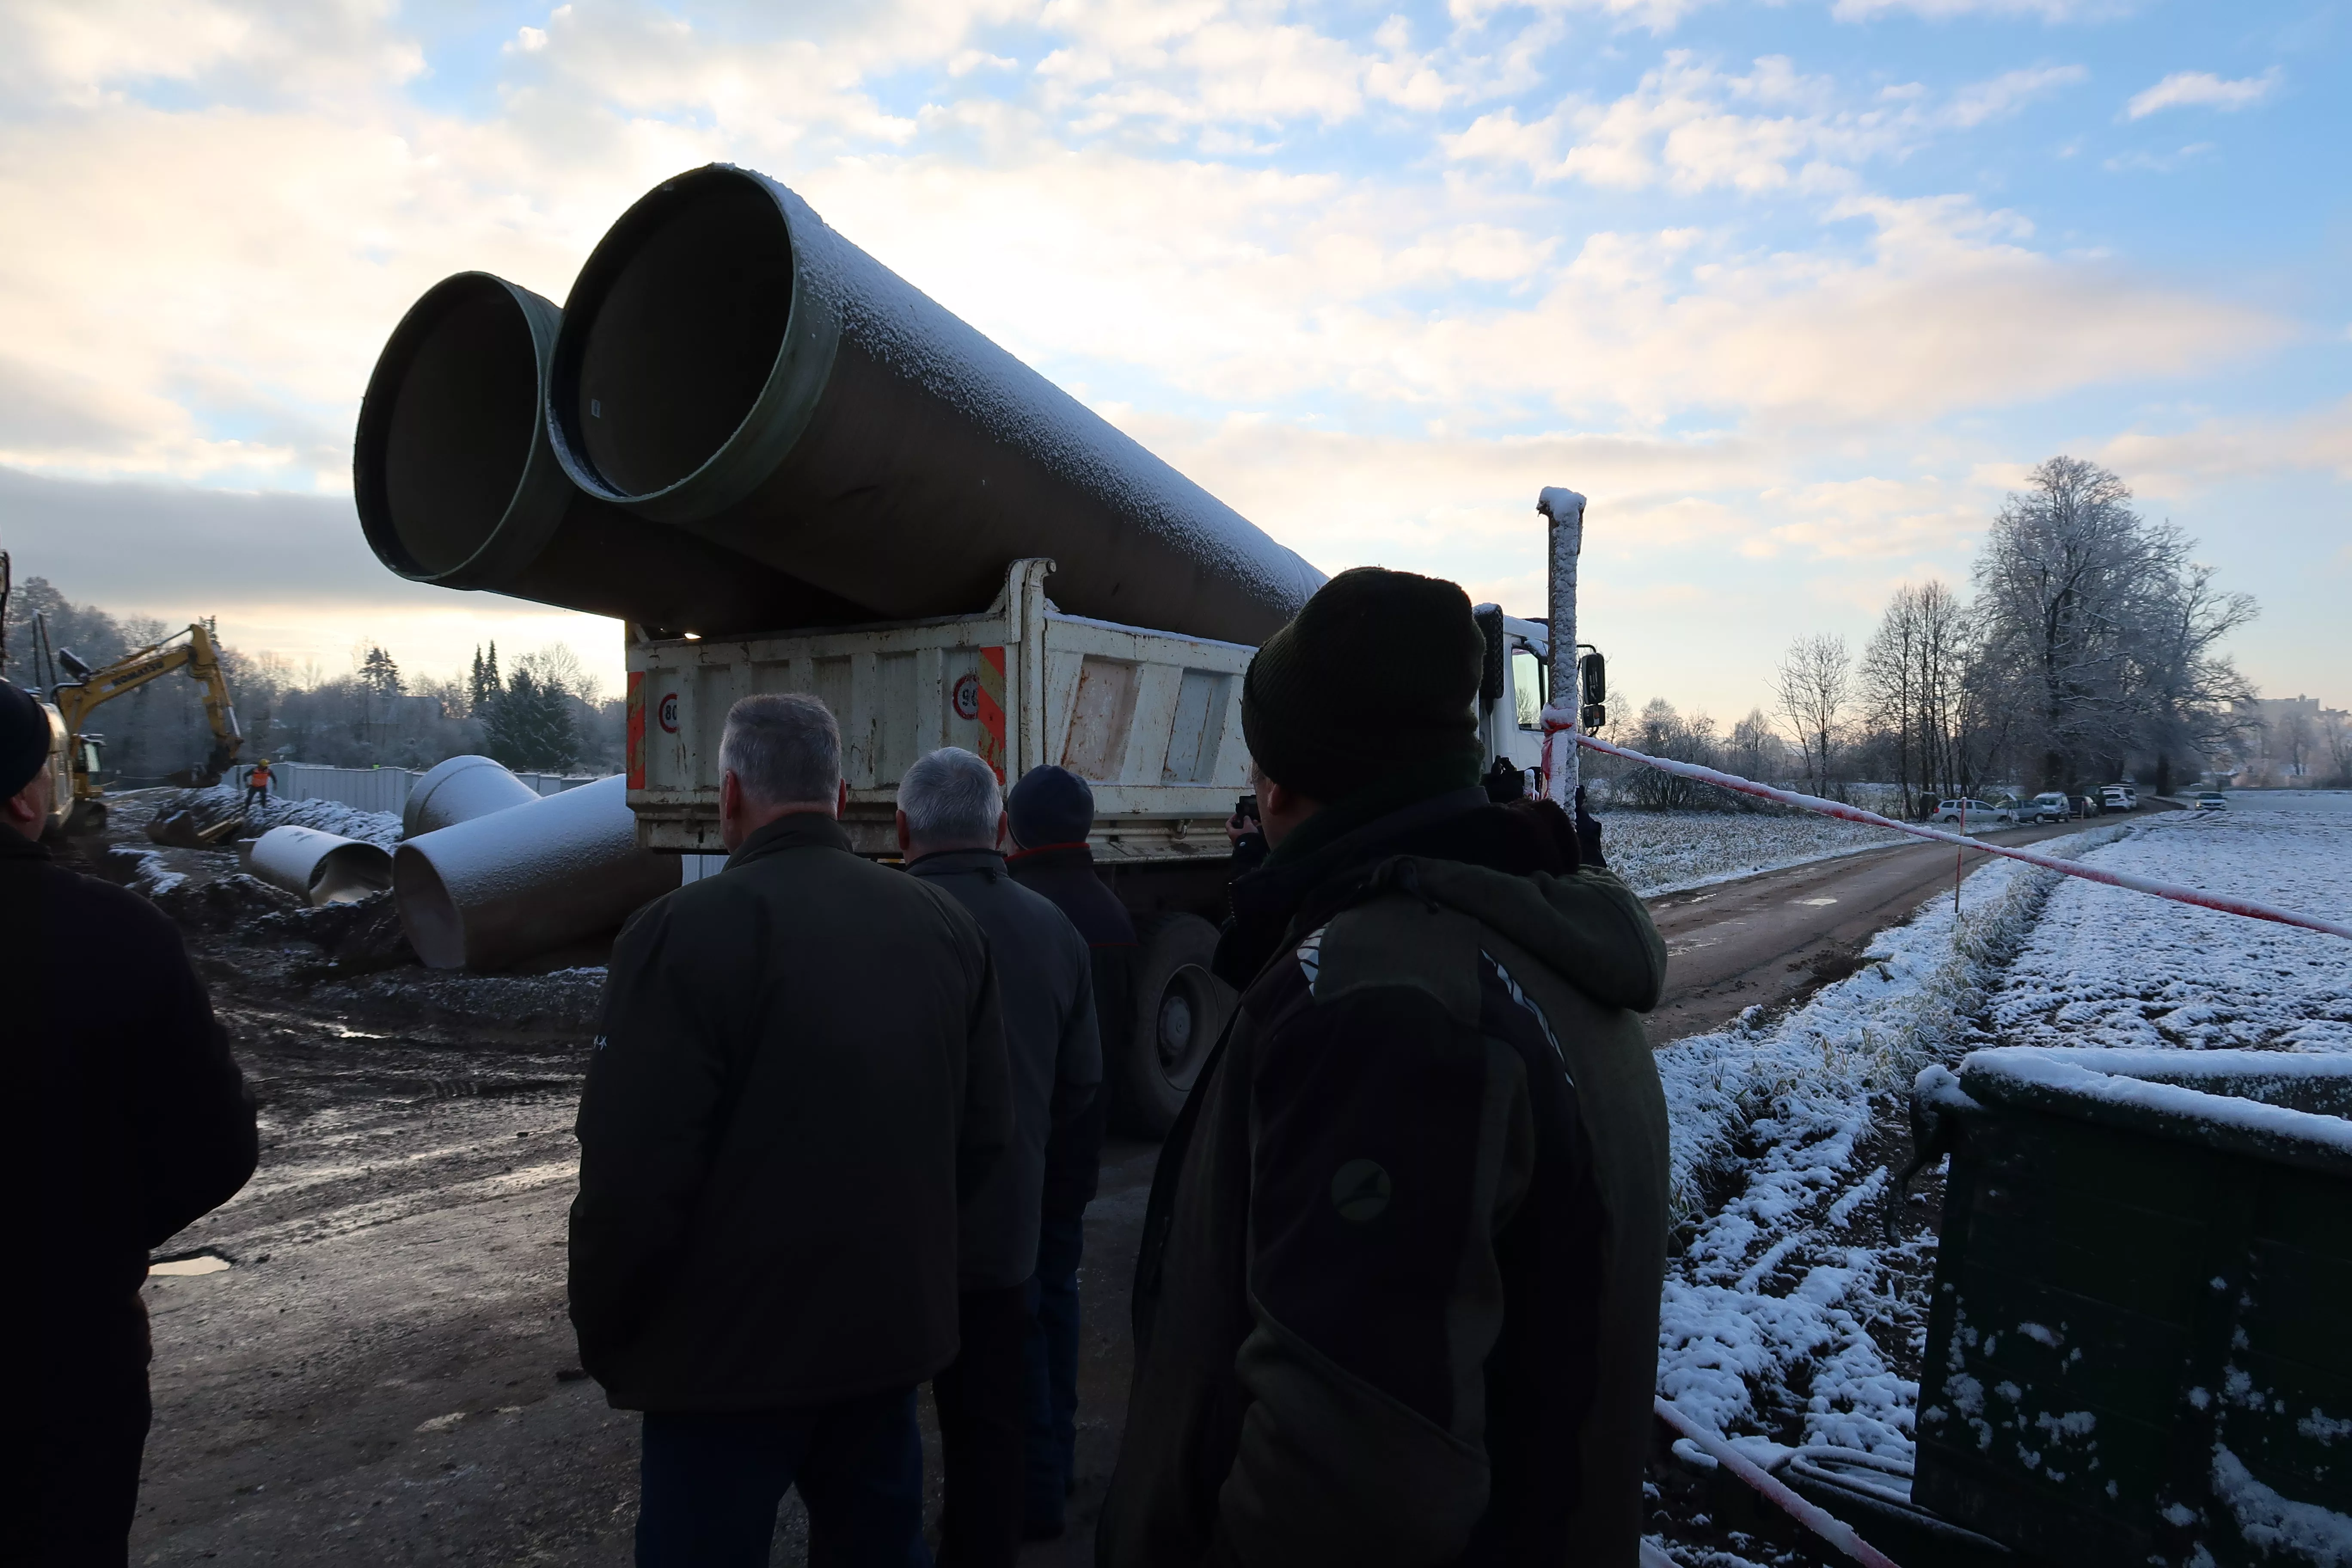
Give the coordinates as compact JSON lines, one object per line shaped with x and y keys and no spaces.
{"x":2267,"y":1104}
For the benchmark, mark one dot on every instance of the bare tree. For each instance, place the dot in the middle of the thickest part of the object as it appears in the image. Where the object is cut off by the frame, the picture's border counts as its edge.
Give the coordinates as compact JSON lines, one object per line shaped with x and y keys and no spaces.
{"x":1814,"y":688}
{"x":1756,"y":752}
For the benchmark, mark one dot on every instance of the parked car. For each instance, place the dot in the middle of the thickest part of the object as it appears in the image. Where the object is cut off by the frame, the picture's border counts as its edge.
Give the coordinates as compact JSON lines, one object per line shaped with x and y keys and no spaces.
{"x":2119,"y":797}
{"x":1974,"y":813}
{"x":2087,"y":805}
{"x":2210,"y":802}
{"x":2050,"y":805}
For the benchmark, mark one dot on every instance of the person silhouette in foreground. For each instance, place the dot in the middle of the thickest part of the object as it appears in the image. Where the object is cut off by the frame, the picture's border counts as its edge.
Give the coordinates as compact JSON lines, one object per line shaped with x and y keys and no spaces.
{"x":1397,"y":1298}
{"x":132,"y":1121}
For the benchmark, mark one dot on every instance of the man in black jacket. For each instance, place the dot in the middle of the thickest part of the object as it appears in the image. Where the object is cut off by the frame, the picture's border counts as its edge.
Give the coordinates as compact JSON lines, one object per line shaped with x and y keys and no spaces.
{"x":800,"y":1081}
{"x":1397,"y":1300}
{"x":133,"y":1121}
{"x":950,"y":819}
{"x":1049,"y":813}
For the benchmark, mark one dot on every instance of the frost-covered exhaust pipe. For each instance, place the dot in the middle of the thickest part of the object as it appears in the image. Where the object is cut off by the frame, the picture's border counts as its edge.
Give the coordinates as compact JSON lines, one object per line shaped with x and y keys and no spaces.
{"x":730,"y":365}
{"x":460,"y":789}
{"x":513,"y":884}
{"x":324,"y":868}
{"x":457,"y":484}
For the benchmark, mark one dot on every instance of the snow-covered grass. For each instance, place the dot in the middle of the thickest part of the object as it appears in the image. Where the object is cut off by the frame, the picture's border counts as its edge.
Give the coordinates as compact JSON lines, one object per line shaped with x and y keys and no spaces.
{"x":2108,"y":969}
{"x":1785,"y":1312}
{"x":1784,"y":1306}
{"x":1668,"y":851}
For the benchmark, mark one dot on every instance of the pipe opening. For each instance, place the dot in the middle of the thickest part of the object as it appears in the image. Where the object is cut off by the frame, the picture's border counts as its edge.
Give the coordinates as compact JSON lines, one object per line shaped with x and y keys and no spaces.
{"x":441,"y":464}
{"x":686,"y":309}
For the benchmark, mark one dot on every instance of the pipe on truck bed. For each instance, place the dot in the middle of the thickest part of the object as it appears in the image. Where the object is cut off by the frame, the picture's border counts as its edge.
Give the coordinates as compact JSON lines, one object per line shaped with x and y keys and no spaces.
{"x":516,"y":883}
{"x":458,"y":486}
{"x":730,"y":365}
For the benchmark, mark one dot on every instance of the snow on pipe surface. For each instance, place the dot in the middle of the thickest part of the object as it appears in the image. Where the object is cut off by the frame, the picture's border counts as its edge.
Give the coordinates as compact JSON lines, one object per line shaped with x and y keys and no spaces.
{"x":513,"y":884}
{"x":457,"y":484}
{"x":2226,"y":903}
{"x":324,"y":868}
{"x":729,"y":365}
{"x":460,"y":789}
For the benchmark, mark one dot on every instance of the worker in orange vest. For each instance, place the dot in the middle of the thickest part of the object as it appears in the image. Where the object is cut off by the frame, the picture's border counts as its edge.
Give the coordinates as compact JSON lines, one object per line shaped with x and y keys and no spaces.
{"x":256,"y":784}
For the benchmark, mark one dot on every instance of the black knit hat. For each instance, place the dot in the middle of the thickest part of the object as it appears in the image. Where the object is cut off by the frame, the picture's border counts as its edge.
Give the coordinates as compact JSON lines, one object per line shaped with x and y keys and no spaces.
{"x":1376,"y":675}
{"x":1050,"y":805}
{"x":24,"y":739}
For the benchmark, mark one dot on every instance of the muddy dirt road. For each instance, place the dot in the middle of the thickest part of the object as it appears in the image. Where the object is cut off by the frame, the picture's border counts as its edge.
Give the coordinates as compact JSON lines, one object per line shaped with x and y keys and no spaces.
{"x":384,"y":1373}
{"x":1773,"y":939}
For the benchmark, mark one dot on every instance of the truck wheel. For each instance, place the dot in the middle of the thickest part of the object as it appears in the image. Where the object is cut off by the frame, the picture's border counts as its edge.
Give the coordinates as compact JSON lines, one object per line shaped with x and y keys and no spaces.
{"x":1179,"y":1010}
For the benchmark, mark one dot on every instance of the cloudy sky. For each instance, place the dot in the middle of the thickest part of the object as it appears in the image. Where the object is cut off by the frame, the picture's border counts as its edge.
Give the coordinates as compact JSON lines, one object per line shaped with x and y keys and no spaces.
{"x":1794,"y":291}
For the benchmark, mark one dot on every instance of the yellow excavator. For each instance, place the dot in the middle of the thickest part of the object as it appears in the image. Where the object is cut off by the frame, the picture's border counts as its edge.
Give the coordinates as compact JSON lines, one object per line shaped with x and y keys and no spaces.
{"x":191,"y":650}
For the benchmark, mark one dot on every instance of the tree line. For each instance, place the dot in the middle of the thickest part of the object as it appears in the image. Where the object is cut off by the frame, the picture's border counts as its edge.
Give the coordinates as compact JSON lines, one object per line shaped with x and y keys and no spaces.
{"x":2089,"y":648}
{"x":544,"y":713}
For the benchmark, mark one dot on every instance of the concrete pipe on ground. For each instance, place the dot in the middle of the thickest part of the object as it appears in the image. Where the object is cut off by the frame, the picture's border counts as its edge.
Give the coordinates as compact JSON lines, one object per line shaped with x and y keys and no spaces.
{"x":729,"y":365}
{"x":460,"y":789}
{"x":457,"y":484}
{"x":324,"y":868}
{"x":491,"y":892}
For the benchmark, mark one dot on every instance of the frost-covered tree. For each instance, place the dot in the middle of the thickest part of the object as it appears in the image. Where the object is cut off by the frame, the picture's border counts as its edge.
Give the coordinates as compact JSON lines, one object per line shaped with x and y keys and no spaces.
{"x":2099,"y":636}
{"x":1814,"y":688}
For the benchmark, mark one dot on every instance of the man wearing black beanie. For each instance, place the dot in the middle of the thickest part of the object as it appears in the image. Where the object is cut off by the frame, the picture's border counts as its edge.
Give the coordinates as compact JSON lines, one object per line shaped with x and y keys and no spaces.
{"x":1397,"y":1301}
{"x":133,"y":1121}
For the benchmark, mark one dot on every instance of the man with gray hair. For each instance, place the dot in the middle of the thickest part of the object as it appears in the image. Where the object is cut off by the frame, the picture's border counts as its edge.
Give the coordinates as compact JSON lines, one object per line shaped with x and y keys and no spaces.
{"x":799,"y":1084}
{"x":951,"y":822}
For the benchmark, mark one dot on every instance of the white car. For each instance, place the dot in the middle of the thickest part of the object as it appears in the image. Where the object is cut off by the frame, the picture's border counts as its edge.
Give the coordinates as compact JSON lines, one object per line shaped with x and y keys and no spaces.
{"x":2210,"y":802}
{"x":2051,"y":806}
{"x":2119,"y":797}
{"x":1973,"y":813}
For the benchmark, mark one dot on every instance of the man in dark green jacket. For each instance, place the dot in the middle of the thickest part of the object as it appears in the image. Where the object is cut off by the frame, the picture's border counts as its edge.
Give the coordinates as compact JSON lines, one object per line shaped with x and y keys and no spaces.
{"x":801,"y":1075}
{"x":1398,"y":1296}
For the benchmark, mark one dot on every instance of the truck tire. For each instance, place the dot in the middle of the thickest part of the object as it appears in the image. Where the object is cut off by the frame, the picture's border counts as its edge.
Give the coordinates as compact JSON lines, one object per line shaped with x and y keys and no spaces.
{"x":1179,"y":1010}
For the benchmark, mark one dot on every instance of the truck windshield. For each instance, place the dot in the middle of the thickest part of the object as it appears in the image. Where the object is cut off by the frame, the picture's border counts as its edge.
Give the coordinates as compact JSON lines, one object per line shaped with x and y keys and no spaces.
{"x":1528,"y":689}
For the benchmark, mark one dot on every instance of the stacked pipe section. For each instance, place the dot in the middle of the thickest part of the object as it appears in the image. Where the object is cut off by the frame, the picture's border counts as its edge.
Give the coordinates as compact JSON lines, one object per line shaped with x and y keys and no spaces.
{"x":742,"y":422}
{"x":319,"y":866}
{"x":502,"y":874}
{"x":457,"y":484}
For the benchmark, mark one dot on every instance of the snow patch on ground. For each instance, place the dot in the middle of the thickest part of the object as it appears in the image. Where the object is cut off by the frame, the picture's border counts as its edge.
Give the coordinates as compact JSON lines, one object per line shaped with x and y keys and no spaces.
{"x":2113,"y":970}
{"x":378,"y":827}
{"x":1671,"y":851}
{"x":1784,"y":1304}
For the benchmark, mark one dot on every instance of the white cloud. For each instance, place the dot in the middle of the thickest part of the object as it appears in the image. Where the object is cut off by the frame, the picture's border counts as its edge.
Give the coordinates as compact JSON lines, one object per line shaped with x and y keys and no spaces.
{"x":2203,"y":90}
{"x":2007,"y":93}
{"x":2048,"y":11}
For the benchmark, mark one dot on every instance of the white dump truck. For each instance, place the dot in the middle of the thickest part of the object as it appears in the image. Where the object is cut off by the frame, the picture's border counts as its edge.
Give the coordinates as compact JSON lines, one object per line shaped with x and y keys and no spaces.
{"x":1151,"y":719}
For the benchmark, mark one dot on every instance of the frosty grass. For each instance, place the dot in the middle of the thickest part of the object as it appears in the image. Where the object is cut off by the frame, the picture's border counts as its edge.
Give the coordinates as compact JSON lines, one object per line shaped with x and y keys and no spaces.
{"x":1669,"y":851}
{"x":1784,"y":1302}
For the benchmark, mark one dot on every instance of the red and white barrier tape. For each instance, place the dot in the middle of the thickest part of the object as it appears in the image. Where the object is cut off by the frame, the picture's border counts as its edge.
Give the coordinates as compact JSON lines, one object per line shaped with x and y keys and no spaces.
{"x":1820,"y":1520}
{"x":2173,"y":890}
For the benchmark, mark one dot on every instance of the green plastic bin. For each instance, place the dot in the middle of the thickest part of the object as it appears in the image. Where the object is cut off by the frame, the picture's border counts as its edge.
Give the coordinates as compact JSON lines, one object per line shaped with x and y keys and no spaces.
{"x":2140,"y":1346}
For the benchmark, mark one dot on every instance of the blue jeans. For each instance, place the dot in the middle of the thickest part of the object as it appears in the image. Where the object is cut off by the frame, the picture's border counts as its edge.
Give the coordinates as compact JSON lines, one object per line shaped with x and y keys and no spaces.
{"x":1052,"y":1353}
{"x":711,"y":1484}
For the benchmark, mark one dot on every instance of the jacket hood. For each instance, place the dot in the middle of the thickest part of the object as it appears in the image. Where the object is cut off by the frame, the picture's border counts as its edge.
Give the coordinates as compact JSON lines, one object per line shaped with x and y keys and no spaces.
{"x":1584,"y":925}
{"x":1515,"y":867}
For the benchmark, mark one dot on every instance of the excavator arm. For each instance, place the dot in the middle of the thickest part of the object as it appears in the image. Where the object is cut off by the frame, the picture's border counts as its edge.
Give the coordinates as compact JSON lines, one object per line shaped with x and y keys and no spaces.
{"x":198,"y":656}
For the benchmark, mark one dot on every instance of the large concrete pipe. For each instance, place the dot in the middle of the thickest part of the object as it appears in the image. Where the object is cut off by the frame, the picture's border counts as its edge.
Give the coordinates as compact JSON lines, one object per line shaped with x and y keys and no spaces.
{"x":491,"y":892}
{"x":324,"y":868}
{"x":729,"y":365}
{"x":460,"y":789}
{"x":457,"y":484}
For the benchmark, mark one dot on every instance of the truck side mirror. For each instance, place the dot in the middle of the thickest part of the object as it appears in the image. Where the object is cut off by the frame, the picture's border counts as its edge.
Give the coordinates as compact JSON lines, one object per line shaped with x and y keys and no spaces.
{"x":1593,"y":671}
{"x":1490,"y":670}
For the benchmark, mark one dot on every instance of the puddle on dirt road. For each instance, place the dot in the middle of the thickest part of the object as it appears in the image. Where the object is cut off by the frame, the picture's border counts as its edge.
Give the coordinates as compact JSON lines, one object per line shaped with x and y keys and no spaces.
{"x":201,"y":1263}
